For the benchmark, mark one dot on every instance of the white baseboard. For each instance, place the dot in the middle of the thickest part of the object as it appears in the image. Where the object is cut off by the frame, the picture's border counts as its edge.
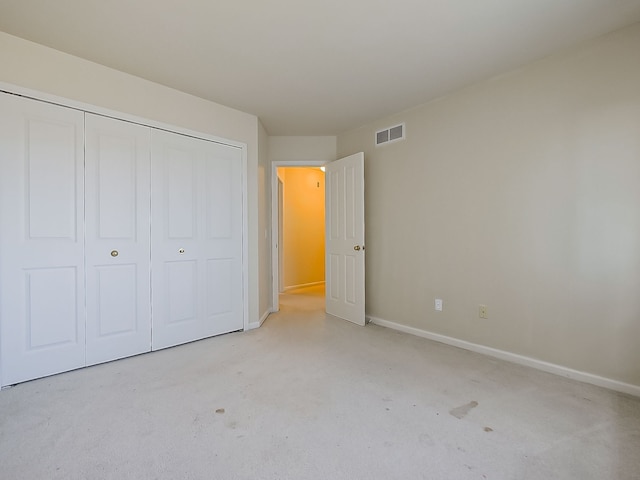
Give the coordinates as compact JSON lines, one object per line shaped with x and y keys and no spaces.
{"x":258,"y":324}
{"x":303,"y":285}
{"x":514,"y":358}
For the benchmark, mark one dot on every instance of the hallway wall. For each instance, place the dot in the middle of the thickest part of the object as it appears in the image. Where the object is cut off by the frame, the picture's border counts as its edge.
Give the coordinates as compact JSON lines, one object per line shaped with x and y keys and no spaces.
{"x":303,"y":222}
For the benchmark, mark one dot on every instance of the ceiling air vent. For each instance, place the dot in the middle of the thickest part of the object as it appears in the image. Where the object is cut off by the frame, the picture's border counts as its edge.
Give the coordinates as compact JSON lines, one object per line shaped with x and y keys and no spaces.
{"x":390,"y":134}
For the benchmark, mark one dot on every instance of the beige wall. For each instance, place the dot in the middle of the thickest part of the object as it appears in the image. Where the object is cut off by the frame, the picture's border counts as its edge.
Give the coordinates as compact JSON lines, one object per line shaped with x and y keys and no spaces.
{"x":521,"y":193}
{"x":282,"y":148}
{"x":303,"y":225}
{"x":36,"y":67}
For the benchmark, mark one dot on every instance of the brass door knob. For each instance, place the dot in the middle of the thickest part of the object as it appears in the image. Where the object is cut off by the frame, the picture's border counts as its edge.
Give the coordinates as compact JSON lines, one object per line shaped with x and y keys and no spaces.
{"x":356,"y":248}
{"x":114,"y":253}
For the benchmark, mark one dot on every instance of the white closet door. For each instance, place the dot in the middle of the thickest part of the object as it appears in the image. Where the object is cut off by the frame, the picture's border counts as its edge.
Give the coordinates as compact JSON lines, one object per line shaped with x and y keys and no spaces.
{"x":118,"y":203}
{"x":176,"y":278}
{"x":222,"y":242}
{"x":42,"y":316}
{"x":197,"y":239}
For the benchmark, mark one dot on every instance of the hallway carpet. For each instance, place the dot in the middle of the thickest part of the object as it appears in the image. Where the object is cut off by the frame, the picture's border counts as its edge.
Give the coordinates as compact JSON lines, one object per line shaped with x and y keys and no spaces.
{"x":308,"y":396}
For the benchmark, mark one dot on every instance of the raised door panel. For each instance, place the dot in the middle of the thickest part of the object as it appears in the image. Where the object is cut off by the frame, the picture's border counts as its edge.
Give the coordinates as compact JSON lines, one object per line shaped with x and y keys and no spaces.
{"x":51,"y":292}
{"x":181,"y":283}
{"x":118,"y":157}
{"x":41,"y":247}
{"x":180,"y":165}
{"x":334,"y":231}
{"x":351,"y":257}
{"x":177,"y":273}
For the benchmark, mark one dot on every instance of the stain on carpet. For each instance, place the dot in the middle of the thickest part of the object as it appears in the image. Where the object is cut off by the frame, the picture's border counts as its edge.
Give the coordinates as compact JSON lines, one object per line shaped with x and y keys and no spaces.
{"x":462,"y":411}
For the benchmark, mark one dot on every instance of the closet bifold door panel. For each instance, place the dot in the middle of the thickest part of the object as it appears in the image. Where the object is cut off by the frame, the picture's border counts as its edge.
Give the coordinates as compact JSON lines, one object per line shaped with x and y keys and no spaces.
{"x":196,"y":239}
{"x":42,"y":319}
{"x":117,"y":238}
{"x":222,"y":244}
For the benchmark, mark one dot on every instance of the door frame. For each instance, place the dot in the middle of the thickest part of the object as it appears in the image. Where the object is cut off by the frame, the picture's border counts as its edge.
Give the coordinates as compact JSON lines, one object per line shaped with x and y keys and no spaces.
{"x":89,"y":108}
{"x":275,"y":222}
{"x":280,"y":233}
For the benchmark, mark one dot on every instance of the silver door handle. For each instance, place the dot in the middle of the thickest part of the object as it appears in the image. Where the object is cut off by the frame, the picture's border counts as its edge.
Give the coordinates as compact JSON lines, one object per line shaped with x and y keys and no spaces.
{"x":181,"y":251}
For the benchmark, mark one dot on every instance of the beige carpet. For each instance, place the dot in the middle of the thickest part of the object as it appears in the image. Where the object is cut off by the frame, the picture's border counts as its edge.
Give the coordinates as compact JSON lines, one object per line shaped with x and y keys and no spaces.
{"x":311,"y":397}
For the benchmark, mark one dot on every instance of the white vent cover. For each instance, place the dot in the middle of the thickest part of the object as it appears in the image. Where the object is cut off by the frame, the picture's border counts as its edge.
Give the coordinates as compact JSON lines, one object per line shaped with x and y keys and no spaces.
{"x":390,"y":134}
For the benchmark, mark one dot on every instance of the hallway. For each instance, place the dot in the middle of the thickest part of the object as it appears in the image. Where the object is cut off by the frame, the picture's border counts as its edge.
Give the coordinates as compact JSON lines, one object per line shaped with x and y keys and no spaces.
{"x":305,"y":299}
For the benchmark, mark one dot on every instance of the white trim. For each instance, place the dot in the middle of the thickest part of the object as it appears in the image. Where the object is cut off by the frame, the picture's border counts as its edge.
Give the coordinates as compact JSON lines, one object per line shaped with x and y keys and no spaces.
{"x":105,"y":112}
{"x":275,"y":223}
{"x":275,"y":274}
{"x":515,"y":358}
{"x":303,"y":285}
{"x":245,"y":239}
{"x":258,"y":324}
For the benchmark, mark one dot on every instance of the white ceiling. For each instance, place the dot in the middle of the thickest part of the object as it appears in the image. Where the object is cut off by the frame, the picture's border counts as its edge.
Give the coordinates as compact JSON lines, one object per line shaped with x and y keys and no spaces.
{"x":314,"y":67}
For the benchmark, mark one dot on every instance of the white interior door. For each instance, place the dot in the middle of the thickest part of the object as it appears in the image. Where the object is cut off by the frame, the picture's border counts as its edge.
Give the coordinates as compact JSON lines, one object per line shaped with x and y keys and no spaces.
{"x":42,"y":316}
{"x":117,"y":173}
{"x":344,"y":197}
{"x":176,"y":276}
{"x":197,"y":239}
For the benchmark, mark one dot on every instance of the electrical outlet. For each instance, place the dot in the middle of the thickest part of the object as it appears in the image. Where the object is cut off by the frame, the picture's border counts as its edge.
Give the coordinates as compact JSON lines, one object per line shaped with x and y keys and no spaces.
{"x":438,"y":304}
{"x":482,"y":311}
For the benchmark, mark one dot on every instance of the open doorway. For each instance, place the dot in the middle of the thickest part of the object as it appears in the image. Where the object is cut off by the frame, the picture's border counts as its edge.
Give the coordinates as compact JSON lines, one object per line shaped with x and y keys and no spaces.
{"x":299,"y":229}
